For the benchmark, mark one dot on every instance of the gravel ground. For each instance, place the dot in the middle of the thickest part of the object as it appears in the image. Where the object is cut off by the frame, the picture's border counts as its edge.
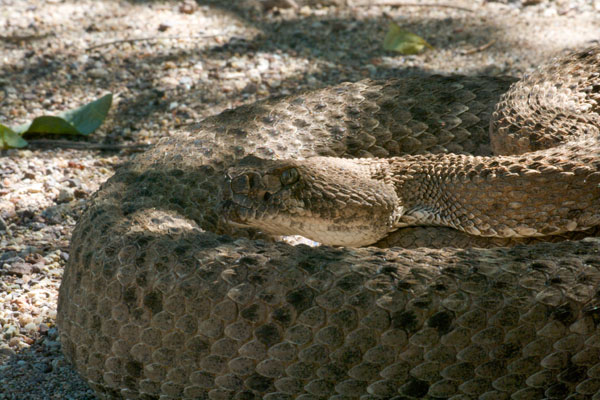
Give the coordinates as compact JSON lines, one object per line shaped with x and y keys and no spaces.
{"x":191,"y":60}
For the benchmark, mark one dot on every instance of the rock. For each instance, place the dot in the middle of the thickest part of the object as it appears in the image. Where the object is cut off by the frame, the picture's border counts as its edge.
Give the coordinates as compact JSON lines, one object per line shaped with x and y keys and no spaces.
{"x":34,"y":258}
{"x":43,"y":328}
{"x":7,"y":352}
{"x":54,"y":214}
{"x":65,"y":195}
{"x":169,"y":65}
{"x":43,"y":367}
{"x":52,"y":345}
{"x":98,"y":73}
{"x":164,"y":26}
{"x":53,"y":333}
{"x":270,"y":4}
{"x":18,"y":269}
{"x":36,"y":226}
{"x":9,"y":331}
{"x":58,"y":363}
{"x":7,"y":209}
{"x":80,"y":193}
{"x":188,"y":7}
{"x":9,"y":255}
{"x":25,"y":319}
{"x":74,"y":182}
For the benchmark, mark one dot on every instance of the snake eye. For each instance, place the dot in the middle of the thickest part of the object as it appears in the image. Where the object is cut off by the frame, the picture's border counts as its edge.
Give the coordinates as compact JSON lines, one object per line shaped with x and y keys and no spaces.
{"x":289,"y":176}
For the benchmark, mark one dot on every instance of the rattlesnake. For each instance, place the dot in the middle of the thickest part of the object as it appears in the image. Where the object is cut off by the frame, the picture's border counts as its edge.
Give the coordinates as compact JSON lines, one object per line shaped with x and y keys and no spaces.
{"x":155,"y":303}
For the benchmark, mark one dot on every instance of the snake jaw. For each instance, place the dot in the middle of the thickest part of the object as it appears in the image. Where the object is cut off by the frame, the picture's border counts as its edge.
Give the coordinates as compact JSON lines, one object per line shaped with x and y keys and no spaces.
{"x":230,"y":214}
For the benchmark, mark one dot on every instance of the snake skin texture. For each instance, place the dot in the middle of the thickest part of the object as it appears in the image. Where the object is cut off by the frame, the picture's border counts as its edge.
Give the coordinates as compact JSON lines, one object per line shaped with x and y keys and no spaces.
{"x":161,"y":300}
{"x":549,"y":123}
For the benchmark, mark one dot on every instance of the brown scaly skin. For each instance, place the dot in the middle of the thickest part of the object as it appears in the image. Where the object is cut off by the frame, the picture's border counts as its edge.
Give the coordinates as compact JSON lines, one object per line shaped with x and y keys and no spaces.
{"x":359,"y":202}
{"x":156,"y":304}
{"x":549,"y":191}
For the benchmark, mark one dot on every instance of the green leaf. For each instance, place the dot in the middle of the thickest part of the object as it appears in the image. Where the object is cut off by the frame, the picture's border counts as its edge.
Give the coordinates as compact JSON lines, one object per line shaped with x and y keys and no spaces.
{"x":81,"y":121}
{"x":403,"y":41}
{"x":9,"y":138}
{"x":47,"y":124}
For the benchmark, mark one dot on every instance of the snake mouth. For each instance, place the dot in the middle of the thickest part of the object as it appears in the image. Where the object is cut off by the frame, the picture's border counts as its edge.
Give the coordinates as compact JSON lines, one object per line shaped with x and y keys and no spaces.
{"x":234,"y":213}
{"x":244,"y":208}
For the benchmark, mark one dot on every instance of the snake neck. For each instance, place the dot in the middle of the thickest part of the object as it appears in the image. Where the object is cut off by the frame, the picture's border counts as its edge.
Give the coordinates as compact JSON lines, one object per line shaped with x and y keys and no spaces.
{"x":511,"y":196}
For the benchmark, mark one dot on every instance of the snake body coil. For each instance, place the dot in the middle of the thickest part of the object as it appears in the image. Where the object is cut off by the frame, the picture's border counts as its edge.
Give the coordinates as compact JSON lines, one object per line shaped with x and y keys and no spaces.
{"x":155,"y":303}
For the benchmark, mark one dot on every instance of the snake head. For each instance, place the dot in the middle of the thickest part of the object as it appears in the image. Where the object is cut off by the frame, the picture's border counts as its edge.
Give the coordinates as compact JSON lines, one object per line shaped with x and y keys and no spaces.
{"x":330,"y":200}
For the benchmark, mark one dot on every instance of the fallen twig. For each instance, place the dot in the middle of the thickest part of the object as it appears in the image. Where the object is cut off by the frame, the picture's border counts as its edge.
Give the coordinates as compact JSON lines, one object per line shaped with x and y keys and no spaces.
{"x":478,"y":49}
{"x":24,"y":38}
{"x":400,"y":4}
{"x":70,"y":144}
{"x":150,"y":38}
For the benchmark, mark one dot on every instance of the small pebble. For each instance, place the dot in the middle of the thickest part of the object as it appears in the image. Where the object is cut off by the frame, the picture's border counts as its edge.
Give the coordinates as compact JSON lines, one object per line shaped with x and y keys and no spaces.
{"x":25,"y":319}
{"x":17,"y":269}
{"x":65,"y":195}
{"x":169,"y":65}
{"x":7,"y":351}
{"x":31,"y":327}
{"x":98,"y":73}
{"x":188,"y":7}
{"x":43,"y":367}
{"x":164,"y":26}
{"x":43,"y":328}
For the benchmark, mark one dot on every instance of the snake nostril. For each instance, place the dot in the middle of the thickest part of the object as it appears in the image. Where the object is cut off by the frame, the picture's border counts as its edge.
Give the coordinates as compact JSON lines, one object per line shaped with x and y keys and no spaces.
{"x":266,"y":196}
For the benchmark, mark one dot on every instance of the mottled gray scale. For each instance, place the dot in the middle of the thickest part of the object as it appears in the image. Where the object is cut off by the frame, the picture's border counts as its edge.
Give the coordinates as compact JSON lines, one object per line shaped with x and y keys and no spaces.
{"x":157,"y":303}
